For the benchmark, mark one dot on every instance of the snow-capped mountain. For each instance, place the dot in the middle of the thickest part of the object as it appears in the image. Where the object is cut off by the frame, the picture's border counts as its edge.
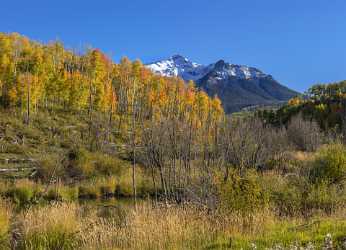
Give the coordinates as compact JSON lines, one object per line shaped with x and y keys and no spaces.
{"x":181,"y":66}
{"x":225,"y":70}
{"x":238,"y":86}
{"x":178,"y":65}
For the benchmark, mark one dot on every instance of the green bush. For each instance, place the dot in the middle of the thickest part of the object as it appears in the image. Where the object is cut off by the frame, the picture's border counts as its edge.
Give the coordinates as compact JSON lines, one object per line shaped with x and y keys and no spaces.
{"x":88,"y":191}
{"x":325,"y":197}
{"x":243,"y":194}
{"x":53,"y":194}
{"x":23,"y":192}
{"x":107,"y":165}
{"x":49,"y":166}
{"x":62,"y":193}
{"x":285,"y":192}
{"x":297,"y":196}
{"x":124,"y":186}
{"x":21,"y":196}
{"x":329,"y":165}
{"x":69,"y":193}
{"x":123,"y":190}
{"x":107,"y":186}
{"x":145,"y":186}
{"x":83,"y":164}
{"x":4,"y":186}
{"x":288,"y":199}
{"x":79,"y":164}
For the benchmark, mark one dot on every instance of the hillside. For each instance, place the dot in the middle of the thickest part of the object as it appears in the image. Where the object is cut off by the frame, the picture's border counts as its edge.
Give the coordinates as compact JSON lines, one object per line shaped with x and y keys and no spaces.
{"x":324,"y":103}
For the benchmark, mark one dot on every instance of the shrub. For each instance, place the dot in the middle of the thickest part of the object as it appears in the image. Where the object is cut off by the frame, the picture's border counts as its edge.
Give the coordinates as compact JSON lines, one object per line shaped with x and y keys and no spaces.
{"x":88,"y":191}
{"x":327,"y":198}
{"x":288,"y":199}
{"x":242,"y":195}
{"x":83,"y":164}
{"x":4,"y":186}
{"x":53,"y":194}
{"x":79,"y":164}
{"x":297,"y":196}
{"x":144,"y":186}
{"x":285,"y":192}
{"x":69,"y":193}
{"x":23,"y":192}
{"x":305,"y":135}
{"x":49,"y":165}
{"x":329,"y":165}
{"x":21,"y":195}
{"x":107,"y":165}
{"x":124,"y":186}
{"x":106,"y":186}
{"x":62,"y":193}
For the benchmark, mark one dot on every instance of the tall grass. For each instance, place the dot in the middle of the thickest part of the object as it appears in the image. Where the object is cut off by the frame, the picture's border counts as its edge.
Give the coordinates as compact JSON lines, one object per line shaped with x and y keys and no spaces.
{"x":5,"y":215}
{"x":69,"y":226}
{"x":23,"y":192}
{"x":51,"y":227}
{"x":171,"y":228}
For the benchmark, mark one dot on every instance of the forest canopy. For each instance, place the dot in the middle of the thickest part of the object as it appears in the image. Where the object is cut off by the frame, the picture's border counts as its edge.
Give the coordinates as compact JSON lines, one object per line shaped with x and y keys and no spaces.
{"x":324,"y":103}
{"x":48,"y":76}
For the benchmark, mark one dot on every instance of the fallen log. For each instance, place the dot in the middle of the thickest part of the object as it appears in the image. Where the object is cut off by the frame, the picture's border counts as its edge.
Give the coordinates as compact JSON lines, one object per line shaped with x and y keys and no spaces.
{"x":8,"y":170}
{"x":14,"y":160}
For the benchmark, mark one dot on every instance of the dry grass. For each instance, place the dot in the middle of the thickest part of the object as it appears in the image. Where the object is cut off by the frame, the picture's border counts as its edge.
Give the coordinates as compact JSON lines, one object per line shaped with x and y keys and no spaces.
{"x":172,"y":228}
{"x":150,"y":228}
{"x":302,"y":156}
{"x":5,"y":216}
{"x":70,"y":226}
{"x":50,"y":227}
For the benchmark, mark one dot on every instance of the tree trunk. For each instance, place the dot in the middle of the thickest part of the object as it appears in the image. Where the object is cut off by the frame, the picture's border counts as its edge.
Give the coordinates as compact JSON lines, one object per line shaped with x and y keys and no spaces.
{"x":28,"y":104}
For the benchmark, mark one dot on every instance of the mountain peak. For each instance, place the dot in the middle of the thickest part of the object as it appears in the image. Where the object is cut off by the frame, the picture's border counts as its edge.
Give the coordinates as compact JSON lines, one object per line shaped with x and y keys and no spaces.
{"x":237,"y":86}
{"x":179,"y":57}
{"x":220,"y":64}
{"x":178,"y":65}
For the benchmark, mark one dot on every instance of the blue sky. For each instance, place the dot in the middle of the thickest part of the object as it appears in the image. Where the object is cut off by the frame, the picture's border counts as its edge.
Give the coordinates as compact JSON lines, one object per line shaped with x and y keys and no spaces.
{"x":299,"y":42}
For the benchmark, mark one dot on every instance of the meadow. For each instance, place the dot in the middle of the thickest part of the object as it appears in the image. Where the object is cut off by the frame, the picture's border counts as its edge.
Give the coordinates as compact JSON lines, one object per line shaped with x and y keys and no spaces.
{"x":292,"y":203}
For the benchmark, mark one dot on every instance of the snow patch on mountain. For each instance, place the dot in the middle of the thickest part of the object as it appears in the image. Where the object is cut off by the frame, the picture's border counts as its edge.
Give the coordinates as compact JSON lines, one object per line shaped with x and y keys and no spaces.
{"x":178,"y":65}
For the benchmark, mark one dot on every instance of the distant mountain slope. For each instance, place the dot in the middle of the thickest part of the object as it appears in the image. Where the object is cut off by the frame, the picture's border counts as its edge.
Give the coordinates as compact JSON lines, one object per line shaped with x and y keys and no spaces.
{"x":238,"y":86}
